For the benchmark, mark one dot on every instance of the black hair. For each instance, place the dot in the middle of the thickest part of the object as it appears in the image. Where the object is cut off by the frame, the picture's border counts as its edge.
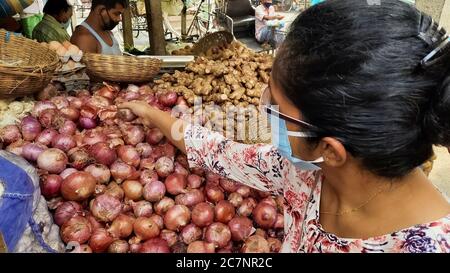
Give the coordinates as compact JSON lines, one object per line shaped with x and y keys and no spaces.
{"x":109,"y":4}
{"x":353,"y":70}
{"x":55,"y":7}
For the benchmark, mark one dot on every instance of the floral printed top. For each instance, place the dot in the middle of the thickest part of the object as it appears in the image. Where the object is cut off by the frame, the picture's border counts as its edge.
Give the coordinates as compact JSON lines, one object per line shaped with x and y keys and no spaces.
{"x":260,"y":166}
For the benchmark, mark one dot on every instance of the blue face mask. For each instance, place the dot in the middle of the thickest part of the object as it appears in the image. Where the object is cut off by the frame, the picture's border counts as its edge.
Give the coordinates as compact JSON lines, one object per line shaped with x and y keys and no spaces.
{"x":280,"y":139}
{"x":267,"y":5}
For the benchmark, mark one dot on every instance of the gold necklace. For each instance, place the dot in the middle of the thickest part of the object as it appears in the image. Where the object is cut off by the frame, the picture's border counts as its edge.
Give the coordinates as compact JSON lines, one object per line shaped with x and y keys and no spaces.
{"x":353,"y":209}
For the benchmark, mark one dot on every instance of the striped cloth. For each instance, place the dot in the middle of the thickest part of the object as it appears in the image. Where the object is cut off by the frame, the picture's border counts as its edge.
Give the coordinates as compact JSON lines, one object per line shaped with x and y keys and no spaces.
{"x":12,"y":7}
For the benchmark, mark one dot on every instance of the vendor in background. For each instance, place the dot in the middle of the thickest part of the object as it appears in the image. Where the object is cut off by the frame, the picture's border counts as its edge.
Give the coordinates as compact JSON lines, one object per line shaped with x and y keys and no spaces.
{"x":264,"y":33}
{"x":31,"y":16}
{"x":53,"y":27}
{"x":359,"y":111}
{"x":10,"y":24}
{"x":94,"y":35}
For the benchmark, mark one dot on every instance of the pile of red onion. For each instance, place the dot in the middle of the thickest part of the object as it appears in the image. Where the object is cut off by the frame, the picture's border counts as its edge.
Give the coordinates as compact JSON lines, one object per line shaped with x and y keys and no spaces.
{"x":116,"y":185}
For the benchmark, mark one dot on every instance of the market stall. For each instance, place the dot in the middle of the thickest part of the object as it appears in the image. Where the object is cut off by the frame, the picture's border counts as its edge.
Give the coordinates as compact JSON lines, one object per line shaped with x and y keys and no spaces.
{"x":113,"y":184}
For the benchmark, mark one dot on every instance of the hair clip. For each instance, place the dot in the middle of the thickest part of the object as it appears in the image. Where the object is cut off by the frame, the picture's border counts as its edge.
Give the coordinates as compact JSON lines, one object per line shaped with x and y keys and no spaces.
{"x":432,"y":57}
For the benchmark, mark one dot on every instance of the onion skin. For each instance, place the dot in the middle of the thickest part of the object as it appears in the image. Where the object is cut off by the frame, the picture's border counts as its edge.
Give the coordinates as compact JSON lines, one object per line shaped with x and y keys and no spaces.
{"x":10,"y":134}
{"x":164,"y":166}
{"x":256,"y":244}
{"x":30,"y":127}
{"x":46,"y":136}
{"x":66,"y":211}
{"x":219,"y":234}
{"x":154,"y":191}
{"x":52,"y":160}
{"x":191,"y":233}
{"x":203,"y":214}
{"x":241,"y":228}
{"x":106,"y":208}
{"x":142,"y":208}
{"x":145,"y":228}
{"x":201,"y":247}
{"x":119,"y":246}
{"x":164,"y":205}
{"x":100,"y":172}
{"x":177,"y":217}
{"x":77,"y":229}
{"x":102,"y":153}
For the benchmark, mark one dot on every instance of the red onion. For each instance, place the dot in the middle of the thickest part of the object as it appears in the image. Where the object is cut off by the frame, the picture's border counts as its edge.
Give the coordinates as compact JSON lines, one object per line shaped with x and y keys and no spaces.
{"x":17,"y":147}
{"x":155,"y":245}
{"x":122,"y":171}
{"x":203,"y":214}
{"x":191,"y":198}
{"x":82,"y":249}
{"x":247,"y":206}
{"x":76,"y":229}
{"x":244,"y":191}
{"x":191,"y":233}
{"x":50,"y":185}
{"x":52,"y":160}
{"x":75,"y":102}
{"x":100,"y":172}
{"x":175,"y":183}
{"x":201,"y":247}
{"x":171,"y":237}
{"x":179,"y":169}
{"x":279,"y":222}
{"x":145,"y":228}
{"x":129,"y":155}
{"x":177,"y":217}
{"x":168,"y":99}
{"x":159,"y":221}
{"x":30,"y":127}
{"x":108,"y":114}
{"x":164,"y":205}
{"x":154,"y":136}
{"x":213,"y":177}
{"x":142,"y":208}
{"x":119,"y":246}
{"x":241,"y":228}
{"x":148,"y":176}
{"x":83,"y":93}
{"x":60,"y":102}
{"x":229,"y":185}
{"x":132,"y":189}
{"x":87,"y":123}
{"x":106,"y":92}
{"x":99,"y":189}
{"x":115,"y":191}
{"x":194,"y":181}
{"x":102,"y":153}
{"x":147,"y":164}
{"x":98,"y":102}
{"x":92,"y":137}
{"x":88,"y":112}
{"x":54,"y":203}
{"x":214,"y":194}
{"x":106,"y":208}
{"x":269,"y":201}
{"x":235,"y":199}
{"x":256,"y":244}
{"x":274,"y":245}
{"x":224,"y":211}
{"x":41,"y":106}
{"x":164,"y":167}
{"x":68,"y":128}
{"x":78,"y":186}
{"x":135,"y":246}
{"x":67,"y":172}
{"x":31,"y":151}
{"x":154,"y":191}
{"x":64,"y":142}
{"x":165,"y":149}
{"x":46,"y":136}
{"x":144,"y":149}
{"x":265,"y":215}
{"x":49,"y":117}
{"x":10,"y":134}
{"x":219,"y":234}
{"x":79,"y":158}
{"x":122,"y":226}
{"x":129,"y":96}
{"x":133,"y":135}
{"x":66,"y":211}
{"x":100,"y":240}
{"x":70,"y":113}
{"x":126,"y":115}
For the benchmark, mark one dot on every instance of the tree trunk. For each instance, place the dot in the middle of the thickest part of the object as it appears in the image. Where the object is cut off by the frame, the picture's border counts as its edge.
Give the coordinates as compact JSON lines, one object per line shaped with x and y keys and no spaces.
{"x":155,"y":27}
{"x":127,"y":28}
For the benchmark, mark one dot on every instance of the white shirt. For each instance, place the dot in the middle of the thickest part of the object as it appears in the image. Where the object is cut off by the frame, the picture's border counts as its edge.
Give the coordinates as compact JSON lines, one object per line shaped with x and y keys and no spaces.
{"x":36,"y":8}
{"x":260,"y":23}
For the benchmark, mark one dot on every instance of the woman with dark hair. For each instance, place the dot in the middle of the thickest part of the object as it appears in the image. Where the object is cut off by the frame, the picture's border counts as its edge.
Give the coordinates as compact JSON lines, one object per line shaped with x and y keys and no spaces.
{"x":53,"y":27}
{"x":363,"y":93}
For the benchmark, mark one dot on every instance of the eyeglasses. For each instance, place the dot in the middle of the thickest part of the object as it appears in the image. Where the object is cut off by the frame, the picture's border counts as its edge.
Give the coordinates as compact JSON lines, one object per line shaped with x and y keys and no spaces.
{"x":265,"y":105}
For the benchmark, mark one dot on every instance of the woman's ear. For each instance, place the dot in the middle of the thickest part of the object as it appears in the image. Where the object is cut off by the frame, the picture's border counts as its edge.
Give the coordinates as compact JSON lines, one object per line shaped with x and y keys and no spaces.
{"x":333,"y":152}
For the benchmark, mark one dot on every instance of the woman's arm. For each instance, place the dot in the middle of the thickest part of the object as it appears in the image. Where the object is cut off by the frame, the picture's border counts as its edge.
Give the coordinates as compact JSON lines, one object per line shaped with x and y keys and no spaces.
{"x":258,"y":166}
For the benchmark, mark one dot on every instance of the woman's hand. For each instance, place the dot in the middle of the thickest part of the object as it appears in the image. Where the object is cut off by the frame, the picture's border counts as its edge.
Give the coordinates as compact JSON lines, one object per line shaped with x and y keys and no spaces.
{"x":139,"y":108}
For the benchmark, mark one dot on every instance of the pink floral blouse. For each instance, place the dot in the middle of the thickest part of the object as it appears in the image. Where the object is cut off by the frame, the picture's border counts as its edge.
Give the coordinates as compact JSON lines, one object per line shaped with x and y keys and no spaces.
{"x":262,"y":167}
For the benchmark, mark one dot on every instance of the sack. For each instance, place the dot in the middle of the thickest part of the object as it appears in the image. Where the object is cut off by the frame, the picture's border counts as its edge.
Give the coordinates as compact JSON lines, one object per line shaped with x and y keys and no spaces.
{"x":26,"y":225}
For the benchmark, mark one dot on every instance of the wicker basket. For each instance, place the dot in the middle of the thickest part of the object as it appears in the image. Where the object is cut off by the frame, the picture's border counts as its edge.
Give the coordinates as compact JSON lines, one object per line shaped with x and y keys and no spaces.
{"x":122,"y":69}
{"x":26,"y":66}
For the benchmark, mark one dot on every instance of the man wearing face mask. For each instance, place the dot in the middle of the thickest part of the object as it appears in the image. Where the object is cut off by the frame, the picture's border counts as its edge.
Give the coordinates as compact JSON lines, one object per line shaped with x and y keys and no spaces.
{"x":53,"y":26}
{"x":95,"y":35}
{"x":264,"y":32}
